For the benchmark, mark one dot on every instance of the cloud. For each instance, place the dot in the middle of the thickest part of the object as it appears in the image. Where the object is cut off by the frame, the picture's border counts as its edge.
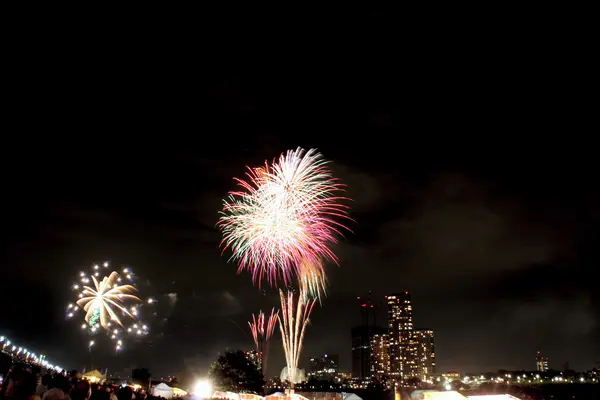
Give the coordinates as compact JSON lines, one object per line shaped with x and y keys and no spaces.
{"x":457,"y":229}
{"x":365,"y":190}
{"x":570,"y":319}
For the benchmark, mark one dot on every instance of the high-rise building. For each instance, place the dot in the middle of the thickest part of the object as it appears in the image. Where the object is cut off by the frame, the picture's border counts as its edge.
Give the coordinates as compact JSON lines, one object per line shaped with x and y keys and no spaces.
{"x":380,"y":356}
{"x":541,"y":362}
{"x":361,"y":352}
{"x":403,"y":349}
{"x":425,"y":354}
{"x":361,"y":338}
{"x":323,"y":368}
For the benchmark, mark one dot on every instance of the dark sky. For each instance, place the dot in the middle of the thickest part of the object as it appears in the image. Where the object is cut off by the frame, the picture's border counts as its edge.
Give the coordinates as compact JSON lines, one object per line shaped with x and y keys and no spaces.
{"x":473,"y":186}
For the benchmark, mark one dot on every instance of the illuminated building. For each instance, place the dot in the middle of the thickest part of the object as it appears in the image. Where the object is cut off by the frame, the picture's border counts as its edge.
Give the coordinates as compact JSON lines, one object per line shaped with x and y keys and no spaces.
{"x":324,"y":368}
{"x":380,"y":355}
{"x":541,"y":362}
{"x":425,"y":354}
{"x":254,"y":357}
{"x":403,"y":349}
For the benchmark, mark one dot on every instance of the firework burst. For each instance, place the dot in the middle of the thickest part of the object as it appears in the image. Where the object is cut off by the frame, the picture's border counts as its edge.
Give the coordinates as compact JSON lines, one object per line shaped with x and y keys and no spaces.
{"x":292,"y":323}
{"x":283,"y":214}
{"x":106,"y":297}
{"x":262,"y":329}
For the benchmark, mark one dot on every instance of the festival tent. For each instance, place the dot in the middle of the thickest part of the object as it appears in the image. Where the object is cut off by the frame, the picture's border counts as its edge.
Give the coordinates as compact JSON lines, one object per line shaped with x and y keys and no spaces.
{"x":179,"y":392}
{"x":232,"y":396}
{"x":94,"y":376}
{"x":250,"y":396}
{"x":162,"y":390}
{"x":275,"y":396}
{"x":435,"y":395}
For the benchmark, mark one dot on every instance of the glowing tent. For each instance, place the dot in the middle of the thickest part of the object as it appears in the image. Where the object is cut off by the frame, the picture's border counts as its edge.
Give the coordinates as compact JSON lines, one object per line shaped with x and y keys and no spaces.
{"x":162,"y":390}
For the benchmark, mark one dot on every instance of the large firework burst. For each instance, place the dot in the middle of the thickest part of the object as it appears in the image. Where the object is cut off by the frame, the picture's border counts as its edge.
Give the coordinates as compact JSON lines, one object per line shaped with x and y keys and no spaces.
{"x":283,"y":215}
{"x":109,"y":304}
{"x":294,"y":318}
{"x":262,"y":329}
{"x":103,"y":297}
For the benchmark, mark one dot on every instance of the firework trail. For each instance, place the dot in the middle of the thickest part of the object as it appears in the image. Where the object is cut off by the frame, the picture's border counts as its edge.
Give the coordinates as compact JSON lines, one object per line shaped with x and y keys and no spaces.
{"x":312,"y":279}
{"x":106,"y":301}
{"x":292,"y":323}
{"x":283,"y":214}
{"x":262,"y":333}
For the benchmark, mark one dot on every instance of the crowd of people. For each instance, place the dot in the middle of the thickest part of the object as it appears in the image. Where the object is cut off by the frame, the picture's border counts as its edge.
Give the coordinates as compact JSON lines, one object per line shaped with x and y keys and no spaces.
{"x":24,"y":382}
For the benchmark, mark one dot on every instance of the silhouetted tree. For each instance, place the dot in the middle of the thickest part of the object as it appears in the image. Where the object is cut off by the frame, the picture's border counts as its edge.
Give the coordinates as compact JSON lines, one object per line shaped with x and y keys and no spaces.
{"x":413,"y":381}
{"x":141,"y":376}
{"x":234,"y":372}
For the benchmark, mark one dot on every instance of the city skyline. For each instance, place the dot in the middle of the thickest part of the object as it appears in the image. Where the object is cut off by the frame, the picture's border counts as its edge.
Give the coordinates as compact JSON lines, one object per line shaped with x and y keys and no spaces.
{"x":487,"y":226}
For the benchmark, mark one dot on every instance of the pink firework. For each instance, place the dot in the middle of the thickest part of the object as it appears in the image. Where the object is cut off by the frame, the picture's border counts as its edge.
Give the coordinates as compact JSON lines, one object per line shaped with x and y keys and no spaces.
{"x":262,"y":333}
{"x":285,"y":214}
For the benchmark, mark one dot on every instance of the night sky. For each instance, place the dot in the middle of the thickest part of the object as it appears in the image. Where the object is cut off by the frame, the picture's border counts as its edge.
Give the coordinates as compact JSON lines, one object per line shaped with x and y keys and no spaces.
{"x":471,"y":189}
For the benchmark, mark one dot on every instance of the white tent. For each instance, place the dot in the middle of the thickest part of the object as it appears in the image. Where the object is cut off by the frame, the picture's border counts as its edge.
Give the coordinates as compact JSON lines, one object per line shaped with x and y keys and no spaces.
{"x":435,"y":395}
{"x":162,"y":390}
{"x":297,"y":396}
{"x":350,"y":396}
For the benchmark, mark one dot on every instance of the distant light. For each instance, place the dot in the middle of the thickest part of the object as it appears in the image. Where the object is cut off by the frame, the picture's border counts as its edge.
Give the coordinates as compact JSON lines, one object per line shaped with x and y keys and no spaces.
{"x":96,"y":266}
{"x":105,"y":264}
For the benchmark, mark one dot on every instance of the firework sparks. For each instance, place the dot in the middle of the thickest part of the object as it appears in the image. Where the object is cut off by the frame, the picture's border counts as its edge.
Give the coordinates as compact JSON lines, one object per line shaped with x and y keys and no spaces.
{"x":108,"y":302}
{"x":283,"y":214}
{"x":312,"y":279}
{"x":103,"y":297}
{"x":262,"y":333}
{"x":292,"y":323}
